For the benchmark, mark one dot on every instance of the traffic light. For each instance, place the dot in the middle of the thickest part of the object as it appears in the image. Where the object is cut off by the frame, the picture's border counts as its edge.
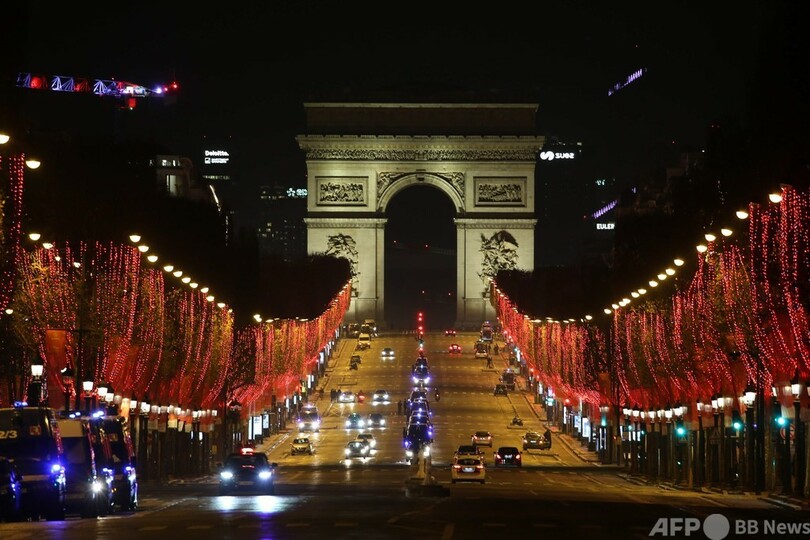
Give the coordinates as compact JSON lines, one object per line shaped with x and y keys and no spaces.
{"x":680,"y":429}
{"x":736,"y":421}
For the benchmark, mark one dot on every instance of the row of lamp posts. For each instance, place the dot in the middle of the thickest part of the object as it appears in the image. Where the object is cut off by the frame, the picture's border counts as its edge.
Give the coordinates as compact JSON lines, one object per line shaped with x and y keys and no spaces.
{"x":730,"y":450}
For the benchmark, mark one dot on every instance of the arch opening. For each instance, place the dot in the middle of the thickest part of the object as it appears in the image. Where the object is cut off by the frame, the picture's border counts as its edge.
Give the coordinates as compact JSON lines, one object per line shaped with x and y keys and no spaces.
{"x":420,"y":258}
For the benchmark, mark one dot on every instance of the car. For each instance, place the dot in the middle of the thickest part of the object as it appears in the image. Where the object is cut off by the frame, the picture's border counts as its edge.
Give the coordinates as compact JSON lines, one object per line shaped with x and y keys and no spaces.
{"x":356,"y":359}
{"x":500,"y":390}
{"x":368,"y":437}
{"x":450,"y":332}
{"x":417,"y":396}
{"x":419,"y":417}
{"x":387,"y":353}
{"x":420,"y":361}
{"x":421,"y":407}
{"x":347,"y":396}
{"x":508,"y":456}
{"x":309,"y":420}
{"x":482,"y":438}
{"x":468,"y":469}
{"x":247,"y":470}
{"x":356,"y":449}
{"x":381,"y":396}
{"x":420,"y":374}
{"x":301,"y":445}
{"x":375,"y":420}
{"x":11,"y":491}
{"x":468,"y":449}
{"x":354,"y":421}
{"x":534,"y":441}
{"x":455,"y":348}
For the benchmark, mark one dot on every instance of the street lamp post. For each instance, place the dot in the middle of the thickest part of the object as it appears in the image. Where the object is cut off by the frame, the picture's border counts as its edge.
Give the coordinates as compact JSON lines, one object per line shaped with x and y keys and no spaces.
{"x":87,"y":388}
{"x":796,"y":389}
{"x":143,"y":428}
{"x":68,"y":375}
{"x":35,"y":386}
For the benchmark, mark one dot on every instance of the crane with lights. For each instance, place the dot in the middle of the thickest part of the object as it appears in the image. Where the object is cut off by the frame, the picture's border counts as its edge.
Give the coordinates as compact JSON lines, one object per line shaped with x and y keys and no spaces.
{"x":127,"y":92}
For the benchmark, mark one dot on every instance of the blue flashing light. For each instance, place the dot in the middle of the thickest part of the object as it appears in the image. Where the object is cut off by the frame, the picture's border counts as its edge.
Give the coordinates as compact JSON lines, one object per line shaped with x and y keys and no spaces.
{"x":680,"y":431}
{"x":737,"y":426}
{"x":98,"y":414}
{"x":20,"y":404}
{"x":781,"y":421}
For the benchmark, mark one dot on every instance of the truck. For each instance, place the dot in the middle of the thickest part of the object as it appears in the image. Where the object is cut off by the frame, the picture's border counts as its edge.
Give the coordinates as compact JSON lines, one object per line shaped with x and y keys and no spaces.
{"x":31,"y":437}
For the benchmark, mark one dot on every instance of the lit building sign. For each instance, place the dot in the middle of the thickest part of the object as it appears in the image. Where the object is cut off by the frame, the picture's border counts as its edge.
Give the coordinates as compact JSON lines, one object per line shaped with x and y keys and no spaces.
{"x":216,"y":157}
{"x":299,"y":193}
{"x":605,"y":226}
{"x":549,"y":155}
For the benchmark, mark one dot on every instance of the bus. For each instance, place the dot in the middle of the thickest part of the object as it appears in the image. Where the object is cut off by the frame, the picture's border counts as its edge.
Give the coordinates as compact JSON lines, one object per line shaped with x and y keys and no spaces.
{"x":486,"y":332}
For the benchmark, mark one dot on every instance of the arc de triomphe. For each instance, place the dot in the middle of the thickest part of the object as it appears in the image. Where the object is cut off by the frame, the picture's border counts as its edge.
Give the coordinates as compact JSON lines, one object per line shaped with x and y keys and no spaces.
{"x":481,"y":156}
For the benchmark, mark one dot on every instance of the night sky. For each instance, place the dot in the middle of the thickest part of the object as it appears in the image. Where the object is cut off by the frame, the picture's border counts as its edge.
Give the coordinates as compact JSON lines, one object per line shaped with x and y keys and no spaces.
{"x":245,"y":69}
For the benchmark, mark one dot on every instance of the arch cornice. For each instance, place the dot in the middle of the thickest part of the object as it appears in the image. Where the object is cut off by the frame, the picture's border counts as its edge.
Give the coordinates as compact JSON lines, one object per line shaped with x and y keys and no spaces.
{"x":420,"y":148}
{"x":450,"y":183}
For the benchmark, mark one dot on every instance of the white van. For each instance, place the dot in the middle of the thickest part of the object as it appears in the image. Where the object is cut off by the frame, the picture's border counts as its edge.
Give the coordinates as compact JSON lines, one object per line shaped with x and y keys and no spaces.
{"x":364,"y":340}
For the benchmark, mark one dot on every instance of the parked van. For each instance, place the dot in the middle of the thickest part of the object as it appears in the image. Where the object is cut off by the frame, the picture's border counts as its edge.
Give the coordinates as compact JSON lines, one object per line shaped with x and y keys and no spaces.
{"x":88,"y":487}
{"x":364,"y":340}
{"x":30,"y":436}
{"x":112,"y":444}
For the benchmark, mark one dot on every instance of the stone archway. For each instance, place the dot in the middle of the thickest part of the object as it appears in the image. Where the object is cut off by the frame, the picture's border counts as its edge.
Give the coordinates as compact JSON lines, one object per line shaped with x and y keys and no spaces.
{"x":489,"y":179}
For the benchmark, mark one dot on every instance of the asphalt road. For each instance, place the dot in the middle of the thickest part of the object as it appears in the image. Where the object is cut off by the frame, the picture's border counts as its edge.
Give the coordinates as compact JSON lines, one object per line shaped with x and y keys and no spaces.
{"x":555,"y":494}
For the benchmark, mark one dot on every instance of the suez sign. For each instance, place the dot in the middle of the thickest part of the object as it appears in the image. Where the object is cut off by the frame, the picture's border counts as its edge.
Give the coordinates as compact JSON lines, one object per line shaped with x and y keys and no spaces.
{"x":216,"y":157}
{"x":550,"y":155}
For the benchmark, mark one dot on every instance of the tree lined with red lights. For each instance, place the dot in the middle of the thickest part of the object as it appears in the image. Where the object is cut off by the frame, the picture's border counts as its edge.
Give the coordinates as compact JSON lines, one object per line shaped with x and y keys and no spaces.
{"x":100,"y":309}
{"x":742,"y":319}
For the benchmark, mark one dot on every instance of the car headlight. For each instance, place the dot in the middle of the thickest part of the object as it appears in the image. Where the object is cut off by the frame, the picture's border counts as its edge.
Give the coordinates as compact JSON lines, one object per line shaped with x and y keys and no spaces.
{"x":426,"y":452}
{"x":97,"y":486}
{"x":364,"y":450}
{"x":348,"y":423}
{"x":415,"y":380}
{"x":316,"y":424}
{"x":408,"y":453}
{"x":226,"y":475}
{"x":347,"y":451}
{"x":265,"y":475}
{"x":382,"y":422}
{"x":300,"y":425}
{"x":361,"y":423}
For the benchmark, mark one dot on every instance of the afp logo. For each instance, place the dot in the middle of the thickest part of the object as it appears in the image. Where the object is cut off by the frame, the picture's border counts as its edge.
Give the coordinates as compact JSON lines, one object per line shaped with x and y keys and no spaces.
{"x":715,"y":527}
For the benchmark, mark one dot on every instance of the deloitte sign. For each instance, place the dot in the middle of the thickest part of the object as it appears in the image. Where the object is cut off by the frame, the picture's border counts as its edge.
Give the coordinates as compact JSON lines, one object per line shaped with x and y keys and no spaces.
{"x":718,"y":527}
{"x":216,"y":157}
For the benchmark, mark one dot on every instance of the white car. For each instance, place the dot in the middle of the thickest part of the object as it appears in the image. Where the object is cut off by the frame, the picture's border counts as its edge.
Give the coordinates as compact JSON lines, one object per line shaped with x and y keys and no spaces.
{"x":347,"y":396}
{"x":368,"y":437}
{"x":468,"y":468}
{"x":387,"y":353}
{"x":381,"y":396}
